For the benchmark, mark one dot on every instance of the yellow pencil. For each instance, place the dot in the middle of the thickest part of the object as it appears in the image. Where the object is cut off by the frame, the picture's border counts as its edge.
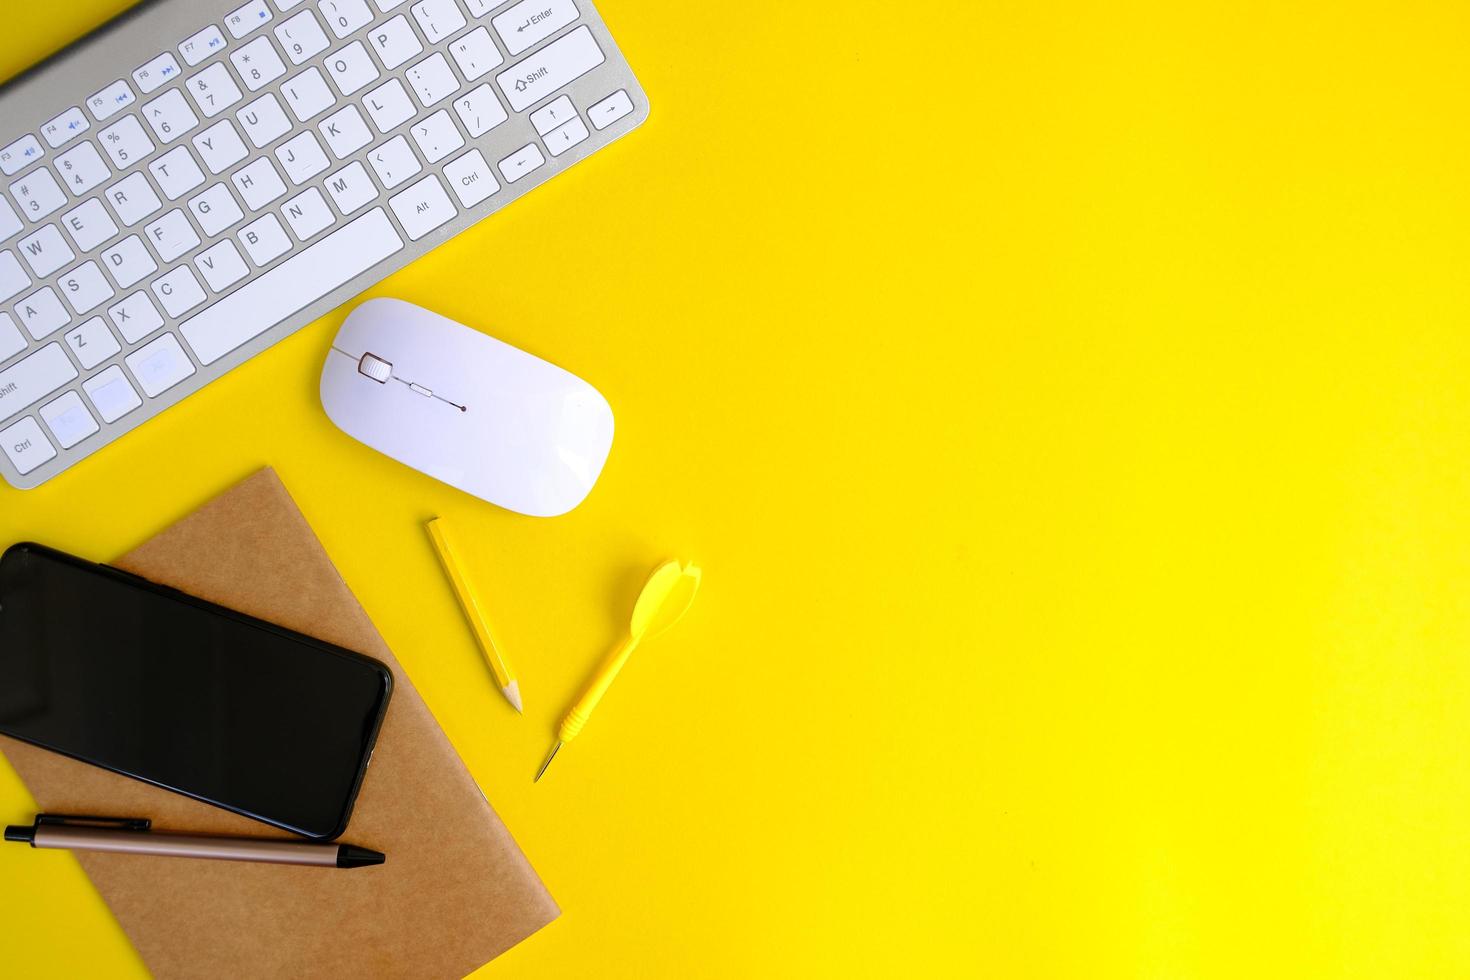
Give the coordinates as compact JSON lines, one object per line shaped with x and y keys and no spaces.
{"x":470,"y":603}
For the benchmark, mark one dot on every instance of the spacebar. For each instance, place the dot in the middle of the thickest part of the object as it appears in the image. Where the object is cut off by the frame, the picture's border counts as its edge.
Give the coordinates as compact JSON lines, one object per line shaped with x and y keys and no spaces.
{"x":291,"y":286}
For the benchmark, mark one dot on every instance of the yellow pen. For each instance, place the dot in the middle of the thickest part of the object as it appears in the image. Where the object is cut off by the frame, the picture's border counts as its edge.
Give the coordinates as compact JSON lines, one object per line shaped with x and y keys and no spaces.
{"x":470,"y":603}
{"x":666,"y":596}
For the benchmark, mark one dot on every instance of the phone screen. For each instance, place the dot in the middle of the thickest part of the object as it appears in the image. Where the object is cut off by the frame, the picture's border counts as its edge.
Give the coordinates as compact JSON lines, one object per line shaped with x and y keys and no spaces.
{"x":148,"y":682}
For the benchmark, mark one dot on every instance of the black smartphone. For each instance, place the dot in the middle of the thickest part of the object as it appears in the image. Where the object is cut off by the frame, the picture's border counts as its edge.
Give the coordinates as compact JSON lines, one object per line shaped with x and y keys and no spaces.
{"x":109,"y":668}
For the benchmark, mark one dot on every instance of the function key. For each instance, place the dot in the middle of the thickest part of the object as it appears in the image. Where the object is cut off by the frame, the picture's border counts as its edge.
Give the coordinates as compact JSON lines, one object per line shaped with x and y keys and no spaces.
{"x":64,"y":127}
{"x":247,"y":18}
{"x":113,"y":99}
{"x":202,"y":45}
{"x":159,"y":71}
{"x":20,"y":154}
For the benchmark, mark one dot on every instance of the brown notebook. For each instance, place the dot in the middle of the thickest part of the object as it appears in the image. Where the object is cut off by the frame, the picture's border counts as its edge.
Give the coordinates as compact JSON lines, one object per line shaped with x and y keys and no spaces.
{"x":443,"y":904}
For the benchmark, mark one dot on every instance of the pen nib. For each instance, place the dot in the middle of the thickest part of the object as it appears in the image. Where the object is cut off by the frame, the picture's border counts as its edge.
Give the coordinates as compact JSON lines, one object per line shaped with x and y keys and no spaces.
{"x":554,"y":750}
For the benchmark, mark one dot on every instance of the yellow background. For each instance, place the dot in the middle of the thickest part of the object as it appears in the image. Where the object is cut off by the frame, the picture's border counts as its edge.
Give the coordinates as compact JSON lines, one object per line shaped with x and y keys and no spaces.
{"x":1070,"y":406}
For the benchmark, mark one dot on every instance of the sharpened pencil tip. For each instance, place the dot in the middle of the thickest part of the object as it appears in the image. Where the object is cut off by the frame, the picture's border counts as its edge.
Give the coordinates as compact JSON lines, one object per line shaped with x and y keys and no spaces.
{"x":513,"y":695}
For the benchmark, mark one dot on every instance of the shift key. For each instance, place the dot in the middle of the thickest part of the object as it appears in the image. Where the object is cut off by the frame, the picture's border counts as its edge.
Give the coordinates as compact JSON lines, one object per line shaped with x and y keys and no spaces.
{"x":558,"y":64}
{"x":33,"y":379}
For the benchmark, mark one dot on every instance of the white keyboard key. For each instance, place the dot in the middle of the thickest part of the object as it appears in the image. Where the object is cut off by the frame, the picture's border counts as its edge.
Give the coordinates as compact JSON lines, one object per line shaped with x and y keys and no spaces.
{"x":553,"y":67}
{"x":386,"y":5}
{"x":160,"y":365}
{"x":200,"y":46}
{"x":394,"y":162}
{"x":92,"y":343}
{"x":437,"y":136}
{"x":265,"y":240}
{"x":213,"y":90}
{"x":169,"y":116}
{"x":345,"y":16}
{"x":246,"y":19}
{"x":307,"y":94}
{"x":157,"y":73}
{"x":479,"y":8}
{"x":258,"y":63}
{"x":89,"y":224}
{"x":64,"y":128}
{"x":521,"y":162}
{"x":471,"y":179}
{"x":132,"y":199}
{"x":302,"y":37}
{"x":13,"y":277}
{"x":221,"y":265}
{"x":351,"y":68}
{"x":437,"y":18}
{"x":302,"y":157}
{"x":259,"y":184}
{"x":126,"y":142}
{"x":42,"y":314}
{"x":423,"y":207}
{"x":220,"y":147}
{"x":476,"y":54}
{"x":10,"y":222}
{"x":20,"y":154}
{"x":26,"y":446}
{"x":292,"y":286}
{"x":86,"y":288}
{"x":112,"y":394}
{"x":11,"y":341}
{"x":176,"y":173}
{"x":215,"y":210}
{"x":38,"y":194}
{"x":45,"y":251}
{"x":530,"y":22}
{"x":559,"y":141}
{"x":172,"y":235}
{"x":69,"y":420}
{"x":135,"y":317}
{"x":432,"y":80}
{"x":82,"y":168}
{"x":394,"y":42}
{"x":110,"y":101}
{"x":308,"y":214}
{"x":345,"y":131}
{"x":178,"y":291}
{"x":264,"y":120}
{"x":553,"y":115}
{"x":610,"y":109}
{"x":35,"y":377}
{"x":351,"y":187}
{"x":128,"y":262}
{"x":480,"y":111}
{"x":389,"y":105}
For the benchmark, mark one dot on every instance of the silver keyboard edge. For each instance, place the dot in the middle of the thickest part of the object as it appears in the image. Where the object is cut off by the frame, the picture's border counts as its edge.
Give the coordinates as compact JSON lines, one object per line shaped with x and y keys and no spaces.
{"x":117,"y":47}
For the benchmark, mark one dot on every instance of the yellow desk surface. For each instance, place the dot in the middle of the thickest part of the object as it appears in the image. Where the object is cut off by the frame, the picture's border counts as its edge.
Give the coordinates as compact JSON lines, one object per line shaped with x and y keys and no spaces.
{"x":1070,"y":407}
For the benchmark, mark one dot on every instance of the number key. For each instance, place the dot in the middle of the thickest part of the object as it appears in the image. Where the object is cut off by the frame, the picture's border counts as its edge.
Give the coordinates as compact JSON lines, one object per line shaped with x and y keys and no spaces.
{"x":38,"y":194}
{"x":170,"y":116}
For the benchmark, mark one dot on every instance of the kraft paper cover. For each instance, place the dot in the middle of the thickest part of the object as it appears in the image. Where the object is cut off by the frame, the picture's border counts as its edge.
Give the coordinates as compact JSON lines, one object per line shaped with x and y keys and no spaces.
{"x":445,"y":902}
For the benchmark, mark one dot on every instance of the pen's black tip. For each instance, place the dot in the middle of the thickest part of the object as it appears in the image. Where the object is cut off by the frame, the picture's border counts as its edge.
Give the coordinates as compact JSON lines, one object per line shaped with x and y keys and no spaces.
{"x":23,"y":835}
{"x":351,"y":856}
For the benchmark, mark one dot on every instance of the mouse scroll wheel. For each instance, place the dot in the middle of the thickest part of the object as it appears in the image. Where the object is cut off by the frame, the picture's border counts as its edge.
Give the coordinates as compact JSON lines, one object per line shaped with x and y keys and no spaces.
{"x":376,"y":368}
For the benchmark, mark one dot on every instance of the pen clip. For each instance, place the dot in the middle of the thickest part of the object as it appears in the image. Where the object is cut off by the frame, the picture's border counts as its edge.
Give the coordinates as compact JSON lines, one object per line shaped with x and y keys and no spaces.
{"x":110,"y":823}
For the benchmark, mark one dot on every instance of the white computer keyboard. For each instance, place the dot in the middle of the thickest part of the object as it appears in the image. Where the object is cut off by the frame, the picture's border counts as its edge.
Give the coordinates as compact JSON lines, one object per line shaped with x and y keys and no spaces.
{"x":198,"y":179}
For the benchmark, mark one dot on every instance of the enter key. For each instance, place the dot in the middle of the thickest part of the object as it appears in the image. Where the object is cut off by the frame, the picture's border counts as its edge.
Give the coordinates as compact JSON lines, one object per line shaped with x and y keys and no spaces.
{"x":530,"y":22}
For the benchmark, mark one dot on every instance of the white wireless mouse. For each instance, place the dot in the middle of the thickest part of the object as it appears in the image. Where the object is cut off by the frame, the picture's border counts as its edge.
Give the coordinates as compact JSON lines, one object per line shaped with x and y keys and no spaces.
{"x":466,"y":409}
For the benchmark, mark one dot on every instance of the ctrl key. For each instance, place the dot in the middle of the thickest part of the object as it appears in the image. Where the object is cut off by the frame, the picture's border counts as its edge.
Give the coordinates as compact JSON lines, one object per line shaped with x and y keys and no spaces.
{"x":26,"y":445}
